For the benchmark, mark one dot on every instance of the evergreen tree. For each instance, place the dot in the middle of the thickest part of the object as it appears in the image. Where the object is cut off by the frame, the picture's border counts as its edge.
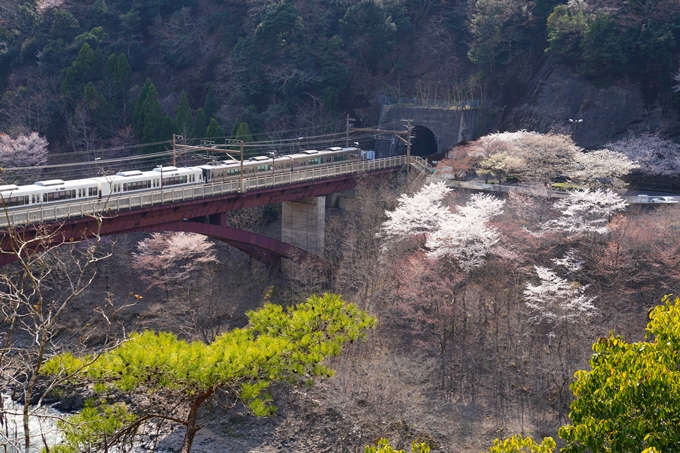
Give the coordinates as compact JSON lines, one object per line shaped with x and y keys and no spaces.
{"x":200,"y":125}
{"x":119,"y":77}
{"x":242,"y":133}
{"x":100,"y":110}
{"x":86,"y":67}
{"x":234,"y":128}
{"x":163,"y":376}
{"x":149,"y":123}
{"x":184,"y":120}
{"x":136,"y":114}
{"x":211,"y":104}
{"x":214,"y":129}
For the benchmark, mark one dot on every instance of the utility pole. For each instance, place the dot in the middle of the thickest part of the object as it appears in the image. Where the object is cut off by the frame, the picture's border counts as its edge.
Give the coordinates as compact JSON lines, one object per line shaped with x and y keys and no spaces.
{"x":174,"y":151}
{"x":408,"y":147}
{"x":406,"y":140}
{"x":347,"y":129}
{"x":241,"y":170}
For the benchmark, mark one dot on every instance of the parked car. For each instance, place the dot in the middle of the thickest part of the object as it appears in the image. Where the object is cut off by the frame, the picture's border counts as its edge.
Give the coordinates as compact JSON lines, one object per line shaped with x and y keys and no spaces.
{"x":663,"y":200}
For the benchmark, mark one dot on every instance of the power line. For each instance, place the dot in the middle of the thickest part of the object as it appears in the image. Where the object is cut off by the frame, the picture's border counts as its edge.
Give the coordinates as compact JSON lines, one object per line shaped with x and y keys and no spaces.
{"x":293,"y":144}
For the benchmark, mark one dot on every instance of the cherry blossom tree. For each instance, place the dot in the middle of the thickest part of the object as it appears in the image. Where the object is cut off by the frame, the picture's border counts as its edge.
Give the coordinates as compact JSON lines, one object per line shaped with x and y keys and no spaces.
{"x":463,"y":236}
{"x":459,"y":160}
{"x":586,"y":212}
{"x":23,"y":151}
{"x":557,"y":300}
{"x":420,"y":213}
{"x":655,"y":156}
{"x":20,"y":152}
{"x":601,"y":168}
{"x":166,"y":259}
{"x":540,"y":158}
{"x":545,"y":156}
{"x":499,"y":165}
{"x":499,"y":142}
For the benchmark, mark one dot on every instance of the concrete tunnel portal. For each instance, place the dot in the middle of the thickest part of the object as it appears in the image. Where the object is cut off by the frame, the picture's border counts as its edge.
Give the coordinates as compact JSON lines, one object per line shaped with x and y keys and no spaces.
{"x":423,"y":143}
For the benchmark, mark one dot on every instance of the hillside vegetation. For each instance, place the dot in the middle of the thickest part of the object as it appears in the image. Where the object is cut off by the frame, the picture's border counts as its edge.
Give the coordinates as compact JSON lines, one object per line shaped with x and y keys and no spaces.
{"x":90,"y":75}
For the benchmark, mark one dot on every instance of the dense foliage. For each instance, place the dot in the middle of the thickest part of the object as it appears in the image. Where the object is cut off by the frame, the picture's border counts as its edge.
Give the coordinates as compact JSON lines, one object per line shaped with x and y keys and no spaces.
{"x":81,"y":74}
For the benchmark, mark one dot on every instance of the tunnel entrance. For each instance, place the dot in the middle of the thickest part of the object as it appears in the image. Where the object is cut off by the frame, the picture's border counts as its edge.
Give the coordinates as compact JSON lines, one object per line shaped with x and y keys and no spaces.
{"x":423,"y":142}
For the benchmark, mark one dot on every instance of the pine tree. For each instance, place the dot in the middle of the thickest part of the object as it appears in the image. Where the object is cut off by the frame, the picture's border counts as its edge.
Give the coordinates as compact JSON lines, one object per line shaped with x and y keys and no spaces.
{"x":149,"y":123}
{"x":100,"y":110}
{"x":184,"y":120}
{"x":211,"y":104}
{"x":242,"y":133}
{"x":200,"y":125}
{"x":83,"y":69}
{"x":163,"y":376}
{"x":119,"y":77}
{"x":214,"y":129}
{"x":137,"y":124}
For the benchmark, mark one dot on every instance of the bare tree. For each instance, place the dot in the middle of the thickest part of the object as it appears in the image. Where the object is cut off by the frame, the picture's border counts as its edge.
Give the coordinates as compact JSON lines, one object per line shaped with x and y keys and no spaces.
{"x":35,"y":294}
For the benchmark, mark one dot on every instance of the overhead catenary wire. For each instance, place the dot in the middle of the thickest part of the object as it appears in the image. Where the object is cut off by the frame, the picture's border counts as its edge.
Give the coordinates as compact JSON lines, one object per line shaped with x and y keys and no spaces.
{"x":101,"y":165}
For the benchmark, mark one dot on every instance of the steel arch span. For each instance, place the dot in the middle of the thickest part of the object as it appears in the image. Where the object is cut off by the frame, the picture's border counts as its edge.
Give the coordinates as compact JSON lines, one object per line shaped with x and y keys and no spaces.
{"x":255,"y":245}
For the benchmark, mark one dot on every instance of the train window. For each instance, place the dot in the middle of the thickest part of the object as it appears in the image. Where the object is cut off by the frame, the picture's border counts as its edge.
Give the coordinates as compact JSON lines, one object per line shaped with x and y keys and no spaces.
{"x":61,"y":195}
{"x":92,"y":191}
{"x":316,"y":161}
{"x":15,"y":201}
{"x":137,"y":185}
{"x":33,"y":198}
{"x":340,"y":158}
{"x":174,"y":180}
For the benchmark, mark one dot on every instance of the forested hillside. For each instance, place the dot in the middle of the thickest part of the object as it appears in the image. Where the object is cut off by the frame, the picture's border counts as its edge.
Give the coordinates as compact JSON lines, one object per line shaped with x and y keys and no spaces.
{"x":478,"y":309}
{"x":100,"y":74}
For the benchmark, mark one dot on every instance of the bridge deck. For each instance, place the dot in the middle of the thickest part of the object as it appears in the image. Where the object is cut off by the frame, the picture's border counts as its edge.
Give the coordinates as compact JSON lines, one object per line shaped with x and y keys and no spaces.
{"x":63,"y":211}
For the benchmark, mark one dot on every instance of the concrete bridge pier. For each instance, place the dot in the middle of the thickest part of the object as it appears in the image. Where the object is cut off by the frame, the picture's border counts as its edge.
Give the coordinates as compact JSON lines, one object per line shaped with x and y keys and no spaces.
{"x":303,"y":224}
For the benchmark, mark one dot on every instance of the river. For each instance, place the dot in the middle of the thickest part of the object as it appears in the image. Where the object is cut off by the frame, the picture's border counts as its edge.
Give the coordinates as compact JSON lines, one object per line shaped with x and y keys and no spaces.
{"x":43,"y":428}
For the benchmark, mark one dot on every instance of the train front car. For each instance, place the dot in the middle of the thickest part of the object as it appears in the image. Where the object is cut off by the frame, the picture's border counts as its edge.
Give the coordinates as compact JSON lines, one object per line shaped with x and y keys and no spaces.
{"x":12,"y":196}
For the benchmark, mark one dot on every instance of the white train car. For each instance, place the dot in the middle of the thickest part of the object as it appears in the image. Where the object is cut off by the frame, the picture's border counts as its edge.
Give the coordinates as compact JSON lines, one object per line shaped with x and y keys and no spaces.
{"x":49,"y":191}
{"x":231,"y":169}
{"x":57,"y":190}
{"x":136,"y":180}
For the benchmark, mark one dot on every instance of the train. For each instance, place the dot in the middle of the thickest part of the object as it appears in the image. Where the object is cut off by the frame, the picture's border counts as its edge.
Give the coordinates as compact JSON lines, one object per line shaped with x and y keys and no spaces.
{"x":129,"y":181}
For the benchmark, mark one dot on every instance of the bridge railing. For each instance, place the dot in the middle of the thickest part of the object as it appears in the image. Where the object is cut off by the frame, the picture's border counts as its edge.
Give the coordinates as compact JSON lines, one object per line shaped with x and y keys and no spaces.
{"x":63,"y":211}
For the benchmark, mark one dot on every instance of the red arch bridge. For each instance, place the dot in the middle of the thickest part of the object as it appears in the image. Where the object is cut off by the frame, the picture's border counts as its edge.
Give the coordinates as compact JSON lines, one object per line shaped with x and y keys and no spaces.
{"x":187,"y":209}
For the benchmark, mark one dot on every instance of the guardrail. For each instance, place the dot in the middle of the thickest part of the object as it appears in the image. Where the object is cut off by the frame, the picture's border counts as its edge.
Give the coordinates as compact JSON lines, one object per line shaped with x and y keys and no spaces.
{"x":421,"y":164}
{"x":631,"y":199}
{"x":85,"y":208}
